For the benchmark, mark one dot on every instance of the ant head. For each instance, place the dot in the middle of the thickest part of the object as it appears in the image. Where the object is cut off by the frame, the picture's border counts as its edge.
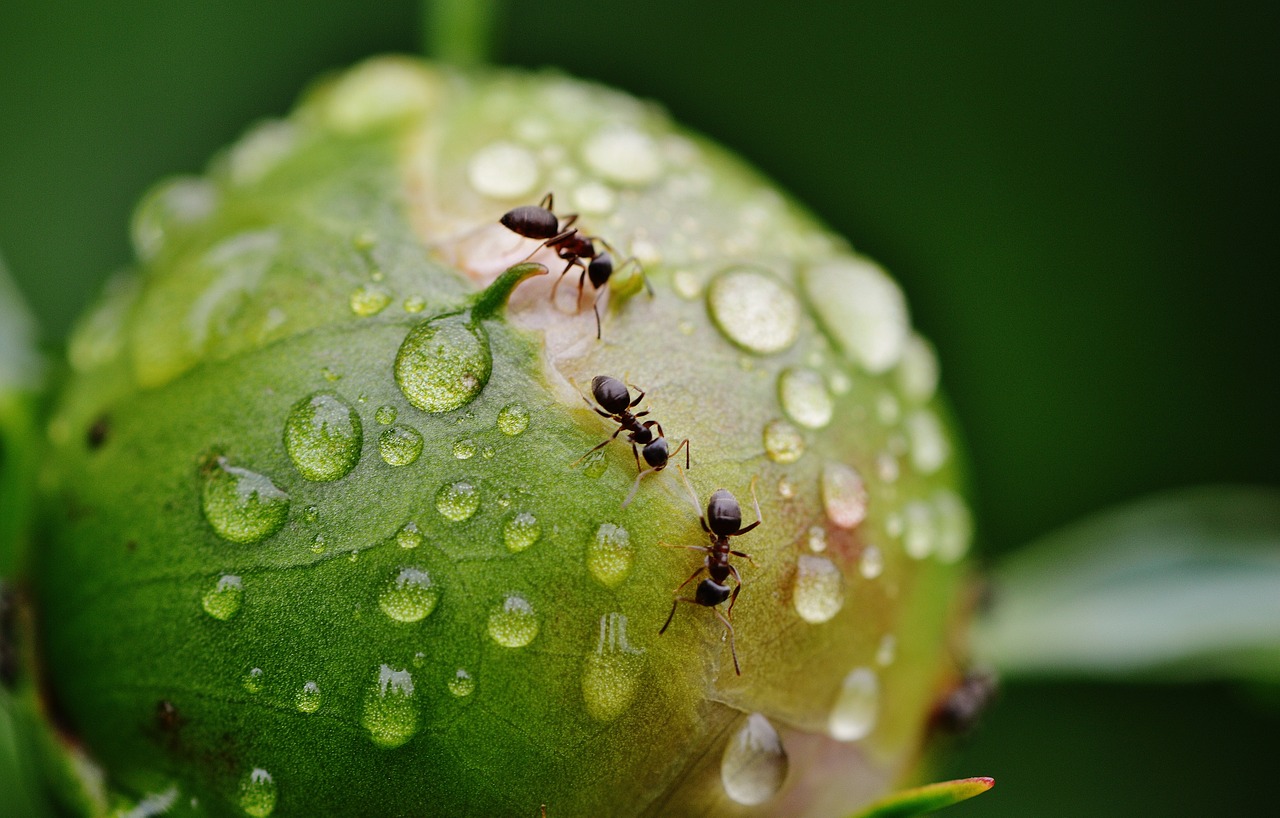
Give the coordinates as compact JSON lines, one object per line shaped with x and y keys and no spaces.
{"x":611,"y":393}
{"x":711,"y":593}
{"x":656,"y":453}
{"x":724,"y":517}
{"x":531,"y":221}
{"x":599,"y":270}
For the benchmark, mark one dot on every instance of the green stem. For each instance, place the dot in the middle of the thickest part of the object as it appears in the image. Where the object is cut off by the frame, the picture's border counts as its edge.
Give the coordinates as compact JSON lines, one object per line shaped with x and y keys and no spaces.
{"x":495,"y":296}
{"x":459,"y":31}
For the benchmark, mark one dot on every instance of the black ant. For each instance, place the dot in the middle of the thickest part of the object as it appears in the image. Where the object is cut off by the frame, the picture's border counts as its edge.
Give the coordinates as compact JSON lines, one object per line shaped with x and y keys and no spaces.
{"x":615,"y":403}
{"x":570,"y":244}
{"x":963,"y":706}
{"x":722,"y":521}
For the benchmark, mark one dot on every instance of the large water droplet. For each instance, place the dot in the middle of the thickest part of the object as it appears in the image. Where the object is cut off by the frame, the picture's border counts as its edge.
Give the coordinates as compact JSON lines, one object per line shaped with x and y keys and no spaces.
{"x":929,"y":446}
{"x":955,"y":525}
{"x":257,"y":795}
{"x":462,"y":684}
{"x":610,"y":675}
{"x":390,"y":715}
{"x":169,"y":209}
{"x":457,"y":501}
{"x":754,"y":310}
{"x":783,"y":443}
{"x":844,"y":495}
{"x":222,"y":601}
{"x":513,"y":624}
{"x":754,"y":765}
{"x":503,"y":171}
{"x":409,"y":536}
{"x":241,"y":505}
{"x":622,"y":154}
{"x":609,"y":554}
{"x":521,"y":530}
{"x":443,"y":363}
{"x":857,"y":705}
{"x":818,"y":593}
{"x":309,"y":698}
{"x":367,"y":301}
{"x":323,"y":436}
{"x":862,"y":309}
{"x":513,"y":419}
{"x":400,"y":445}
{"x":805,"y":398}
{"x":409,"y":596}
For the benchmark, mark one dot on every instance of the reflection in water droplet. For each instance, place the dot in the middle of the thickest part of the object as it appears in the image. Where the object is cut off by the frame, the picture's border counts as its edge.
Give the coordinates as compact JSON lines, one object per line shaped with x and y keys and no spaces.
{"x":929,"y":446}
{"x":754,"y":310}
{"x":257,"y":794}
{"x":754,"y":765}
{"x":457,"y":501}
{"x":386,"y":415}
{"x":854,"y":714}
{"x":443,"y":363}
{"x":464,"y":449}
{"x":521,"y":531}
{"x":818,"y":593}
{"x":805,"y":398}
{"x":223,"y":600}
{"x":955,"y":525}
{"x":409,"y":536}
{"x":844,"y":495}
{"x":242,"y":506}
{"x":871,"y":563}
{"x":513,"y":419}
{"x":918,"y":529}
{"x":389,"y":712}
{"x":783,"y":442}
{"x":594,"y":464}
{"x":253,"y":680}
{"x":368,"y":301}
{"x":323,"y":437}
{"x":309,"y":698}
{"x":400,"y":445}
{"x":462,"y":684}
{"x":513,"y":624}
{"x":409,"y":596}
{"x":609,"y":554}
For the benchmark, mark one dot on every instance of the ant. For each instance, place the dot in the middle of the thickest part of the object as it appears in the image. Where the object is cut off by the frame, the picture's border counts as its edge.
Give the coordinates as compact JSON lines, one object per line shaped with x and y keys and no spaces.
{"x":722,"y":521}
{"x":570,"y":244}
{"x":963,"y":706}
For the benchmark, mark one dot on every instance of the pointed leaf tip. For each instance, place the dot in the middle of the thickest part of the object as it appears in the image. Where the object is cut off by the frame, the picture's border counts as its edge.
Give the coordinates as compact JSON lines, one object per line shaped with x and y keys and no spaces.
{"x":927,"y":799}
{"x":496,"y":294}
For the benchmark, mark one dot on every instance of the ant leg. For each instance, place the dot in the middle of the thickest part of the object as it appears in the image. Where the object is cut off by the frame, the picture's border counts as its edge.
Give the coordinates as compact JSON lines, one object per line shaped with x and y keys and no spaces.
{"x":759,"y":516}
{"x":556,"y":286}
{"x":569,"y":220}
{"x":548,"y":202}
{"x":639,"y":396}
{"x":602,"y":413}
{"x":582,"y":285}
{"x":746,"y":557}
{"x":595,"y":307}
{"x":674,"y":604}
{"x":636,"y":487}
{"x":697,"y":507}
{"x":734,"y":596}
{"x":702,"y":548}
{"x":684,"y":444}
{"x":732,"y":648}
{"x":600,"y":445}
{"x":691,"y":578}
{"x":636,"y":454}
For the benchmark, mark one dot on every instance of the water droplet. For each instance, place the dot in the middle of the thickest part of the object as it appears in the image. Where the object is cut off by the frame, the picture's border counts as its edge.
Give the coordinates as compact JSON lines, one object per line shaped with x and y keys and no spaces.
{"x":624,"y":155}
{"x":462,"y":684}
{"x":754,"y":765}
{"x":929,"y":447}
{"x":854,"y":714}
{"x":818,"y":593}
{"x":893,"y":524}
{"x":521,"y":531}
{"x":918,"y":531}
{"x":261,"y":150}
{"x":457,"y":501}
{"x":488,"y":452}
{"x":311,"y":514}
{"x":415,"y":304}
{"x":409,"y":536}
{"x":308,"y":700}
{"x":503,"y":171}
{"x":754,"y":310}
{"x":594,"y":464}
{"x":379,"y":92}
{"x":170,"y":208}
{"x":594,"y":198}
{"x":513,"y":419}
{"x":223,"y":600}
{"x":611,"y":675}
{"x":887,"y":467}
{"x":955,"y":525}
{"x":323,"y":436}
{"x":253,"y":680}
{"x":786,"y":489}
{"x":871,"y":563}
{"x":257,"y":794}
{"x":609,"y":554}
{"x":887,"y":650}
{"x":389,"y":712}
{"x":918,"y":371}
{"x":317,"y":544}
{"x":386,"y":415}
{"x":400,"y":445}
{"x":513,"y":624}
{"x":817,"y":539}
{"x":242,"y":506}
{"x":805,"y":398}
{"x":329,"y":375}
{"x":367,"y":301}
{"x":888,"y":410}
{"x":464,"y":449}
{"x":844,"y":495}
{"x":783,"y":443}
{"x":840,"y":383}
{"x":686,"y":284}
{"x":409,"y":596}
{"x":862,"y":309}
{"x":443,"y":363}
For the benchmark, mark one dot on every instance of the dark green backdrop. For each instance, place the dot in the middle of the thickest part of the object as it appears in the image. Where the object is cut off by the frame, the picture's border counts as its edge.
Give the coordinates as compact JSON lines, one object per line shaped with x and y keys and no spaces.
{"x":1080,"y":200}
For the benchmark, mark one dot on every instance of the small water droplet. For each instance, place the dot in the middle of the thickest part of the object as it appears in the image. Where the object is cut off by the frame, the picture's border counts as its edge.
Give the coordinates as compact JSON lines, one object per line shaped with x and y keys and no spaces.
{"x":409,"y":596}
{"x":521,"y":531}
{"x":311,"y":514}
{"x":622,"y":154}
{"x":443,"y":363}
{"x":415,"y":304}
{"x":929,"y":446}
{"x":754,"y":765}
{"x":513,"y":419}
{"x":409,"y":536}
{"x":955,"y":525}
{"x":386,"y":415}
{"x":887,"y":650}
{"x":223,"y":600}
{"x":503,"y":171}
{"x":888,"y":410}
{"x":257,"y":794}
{"x":611,"y":674}
{"x":242,"y":506}
{"x":854,"y":714}
{"x":253,"y":680}
{"x":686,"y":284}
{"x":594,"y":198}
{"x":871,"y":563}
{"x":918,"y":533}
{"x":368,"y":301}
{"x":323,"y":436}
{"x":308,"y":699}
{"x":513,"y":624}
{"x":818,"y":593}
{"x":840,"y":383}
{"x":893,"y":524}
{"x":887,"y":467}
{"x":786,"y":488}
{"x":817,"y":539}
{"x":464,"y":449}
{"x":783,"y":443}
{"x":862,"y":309}
{"x":457,"y":501}
{"x":609,"y":555}
{"x":805,"y":398}
{"x":844,"y":494}
{"x":390,"y":715}
{"x":918,"y":371}
{"x":317,"y":544}
{"x":462,"y":684}
{"x":754,"y":310}
{"x":400,"y":445}
{"x":488,"y":452}
{"x":594,"y":464}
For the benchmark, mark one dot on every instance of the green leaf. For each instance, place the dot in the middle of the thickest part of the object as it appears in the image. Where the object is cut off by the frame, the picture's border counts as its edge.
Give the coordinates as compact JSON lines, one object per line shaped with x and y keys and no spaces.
{"x":927,"y":799}
{"x":1183,"y":585}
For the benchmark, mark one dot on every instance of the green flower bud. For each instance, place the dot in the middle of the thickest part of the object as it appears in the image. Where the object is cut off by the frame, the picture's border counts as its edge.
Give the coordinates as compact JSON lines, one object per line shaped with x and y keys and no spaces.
{"x":333,"y":548}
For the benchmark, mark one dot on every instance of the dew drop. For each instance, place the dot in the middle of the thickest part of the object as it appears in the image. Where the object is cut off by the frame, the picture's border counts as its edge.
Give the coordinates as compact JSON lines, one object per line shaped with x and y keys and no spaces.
{"x":854,"y":714}
{"x":888,"y":410}
{"x":368,"y":301}
{"x":754,"y":765}
{"x":415,"y":304}
{"x":222,"y":601}
{"x":323,"y":436}
{"x":818,"y":593}
{"x":887,"y":650}
{"x":503,"y":171}
{"x":257,"y":794}
{"x":386,"y":415}
{"x":168,"y":210}
{"x":242,"y":506}
{"x":622,"y":154}
{"x":521,"y":531}
{"x":317,"y":544}
{"x":611,"y":674}
{"x":389,"y":712}
{"x":464,"y":449}
{"x":955,"y":525}
{"x":844,"y":495}
{"x":308,"y":699}
{"x":754,"y":310}
{"x":887,"y":468}
{"x":918,"y":530}
{"x":457,"y":501}
{"x":786,"y":488}
{"x":805,"y":398}
{"x":462,"y":684}
{"x":409,"y":596}
{"x":609,"y":555}
{"x":783,"y":443}
{"x":594,"y":198}
{"x":400,"y":445}
{"x":862,"y":308}
{"x":311,"y":514}
{"x":409,"y":536}
{"x":513,"y":624}
{"x":594,"y":464}
{"x":513,"y":419}
{"x":252,"y":680}
{"x":686,"y":284}
{"x":443,"y":363}
{"x":817,"y":539}
{"x":918,"y":371}
{"x":929,"y":447}
{"x":871,"y":562}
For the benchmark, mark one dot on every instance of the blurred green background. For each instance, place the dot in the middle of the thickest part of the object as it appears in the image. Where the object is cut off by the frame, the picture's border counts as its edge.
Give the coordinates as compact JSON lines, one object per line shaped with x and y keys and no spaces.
{"x":1080,"y":200}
